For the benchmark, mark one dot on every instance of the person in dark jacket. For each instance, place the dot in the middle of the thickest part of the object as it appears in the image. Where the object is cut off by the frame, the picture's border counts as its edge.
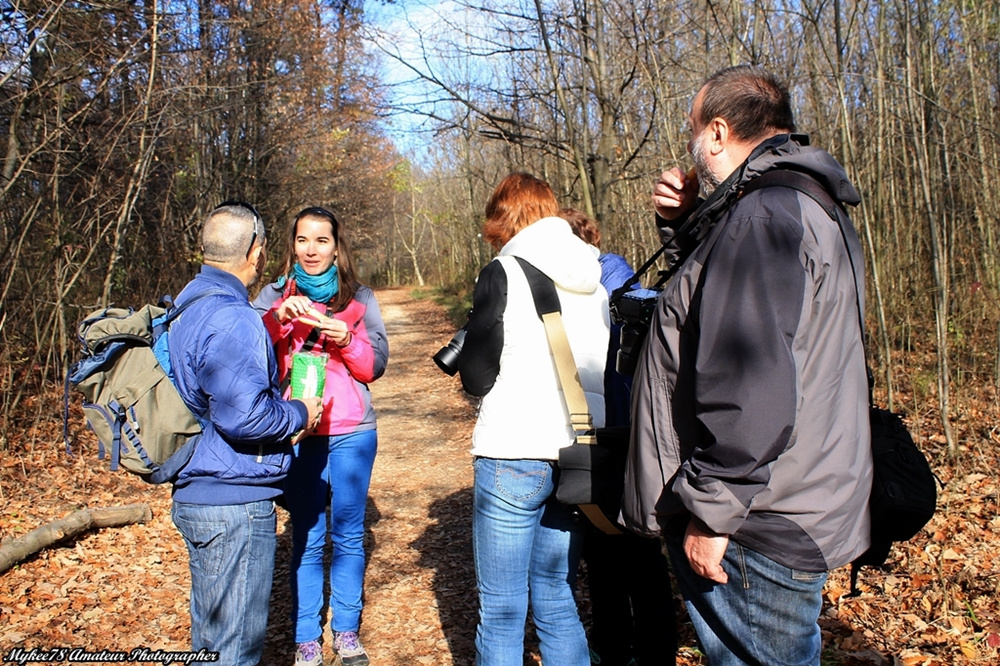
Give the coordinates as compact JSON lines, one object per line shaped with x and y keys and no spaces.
{"x":223,"y":499}
{"x":633,"y":619}
{"x":750,"y":440}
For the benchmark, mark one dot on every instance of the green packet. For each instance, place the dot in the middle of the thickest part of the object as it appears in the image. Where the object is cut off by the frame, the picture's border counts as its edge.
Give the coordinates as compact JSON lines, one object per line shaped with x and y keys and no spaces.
{"x":308,"y":374}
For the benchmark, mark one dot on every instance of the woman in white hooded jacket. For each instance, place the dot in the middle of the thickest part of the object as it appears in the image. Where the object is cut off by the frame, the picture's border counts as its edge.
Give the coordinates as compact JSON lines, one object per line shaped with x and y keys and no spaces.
{"x":526,"y":544}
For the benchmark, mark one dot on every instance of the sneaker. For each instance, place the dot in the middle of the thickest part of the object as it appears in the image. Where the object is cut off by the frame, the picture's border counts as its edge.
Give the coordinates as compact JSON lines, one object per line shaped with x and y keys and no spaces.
{"x":348,"y":649}
{"x":309,"y":654}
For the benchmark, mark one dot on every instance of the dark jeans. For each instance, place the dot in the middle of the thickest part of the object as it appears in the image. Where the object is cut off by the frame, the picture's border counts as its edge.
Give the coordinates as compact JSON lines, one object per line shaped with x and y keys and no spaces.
{"x":632,"y":606}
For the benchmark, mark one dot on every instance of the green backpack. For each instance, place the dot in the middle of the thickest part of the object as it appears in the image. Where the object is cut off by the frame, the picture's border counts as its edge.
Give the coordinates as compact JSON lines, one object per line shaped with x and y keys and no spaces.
{"x":129,"y":399}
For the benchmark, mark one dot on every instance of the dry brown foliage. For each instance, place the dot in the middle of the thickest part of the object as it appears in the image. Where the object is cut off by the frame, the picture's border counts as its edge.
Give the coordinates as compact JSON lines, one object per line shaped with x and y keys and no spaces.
{"x":935,"y":603}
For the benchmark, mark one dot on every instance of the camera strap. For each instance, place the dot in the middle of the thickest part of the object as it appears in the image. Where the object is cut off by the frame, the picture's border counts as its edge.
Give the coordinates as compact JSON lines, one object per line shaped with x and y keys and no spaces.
{"x":546,"y":298}
{"x":547,"y":305}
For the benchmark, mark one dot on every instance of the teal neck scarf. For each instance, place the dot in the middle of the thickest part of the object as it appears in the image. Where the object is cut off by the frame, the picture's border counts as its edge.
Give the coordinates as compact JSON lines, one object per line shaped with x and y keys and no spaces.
{"x":317,"y":288}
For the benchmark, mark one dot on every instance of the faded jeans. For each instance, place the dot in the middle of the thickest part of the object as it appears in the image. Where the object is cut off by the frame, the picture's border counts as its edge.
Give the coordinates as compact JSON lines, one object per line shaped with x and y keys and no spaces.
{"x":232,"y":561}
{"x":525,"y":545}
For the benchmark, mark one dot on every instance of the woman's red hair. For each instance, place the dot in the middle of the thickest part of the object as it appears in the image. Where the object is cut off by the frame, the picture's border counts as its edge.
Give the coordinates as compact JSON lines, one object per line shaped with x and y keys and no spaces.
{"x":518,"y":201}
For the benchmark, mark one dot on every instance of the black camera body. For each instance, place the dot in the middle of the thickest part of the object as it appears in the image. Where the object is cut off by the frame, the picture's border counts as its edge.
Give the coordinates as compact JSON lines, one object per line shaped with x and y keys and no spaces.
{"x":633,"y":309}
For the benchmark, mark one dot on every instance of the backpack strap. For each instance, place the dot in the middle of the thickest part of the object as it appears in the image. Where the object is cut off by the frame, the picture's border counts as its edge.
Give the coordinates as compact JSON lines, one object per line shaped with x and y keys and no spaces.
{"x":795,"y":180}
{"x":812,"y":188}
{"x":809,"y":186}
{"x":173,"y":312}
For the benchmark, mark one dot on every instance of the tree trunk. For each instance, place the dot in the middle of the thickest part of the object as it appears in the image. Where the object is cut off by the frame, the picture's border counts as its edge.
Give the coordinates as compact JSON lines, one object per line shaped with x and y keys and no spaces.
{"x":19,"y":549}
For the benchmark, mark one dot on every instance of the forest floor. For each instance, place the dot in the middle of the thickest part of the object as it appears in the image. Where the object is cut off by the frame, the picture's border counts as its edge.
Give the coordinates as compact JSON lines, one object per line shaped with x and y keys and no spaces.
{"x":118,"y":589}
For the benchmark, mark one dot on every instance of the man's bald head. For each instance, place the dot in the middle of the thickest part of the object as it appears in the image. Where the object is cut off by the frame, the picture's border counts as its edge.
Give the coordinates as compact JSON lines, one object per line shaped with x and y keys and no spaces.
{"x":227,"y":237}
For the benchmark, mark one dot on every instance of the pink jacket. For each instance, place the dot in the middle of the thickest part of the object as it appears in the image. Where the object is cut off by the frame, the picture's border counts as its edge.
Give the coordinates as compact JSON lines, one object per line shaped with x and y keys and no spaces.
{"x":347,"y":405}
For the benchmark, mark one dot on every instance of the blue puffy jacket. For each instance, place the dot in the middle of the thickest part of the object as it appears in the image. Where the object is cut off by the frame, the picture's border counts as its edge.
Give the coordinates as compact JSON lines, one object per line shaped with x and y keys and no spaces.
{"x":615,"y":271}
{"x":225,"y":371}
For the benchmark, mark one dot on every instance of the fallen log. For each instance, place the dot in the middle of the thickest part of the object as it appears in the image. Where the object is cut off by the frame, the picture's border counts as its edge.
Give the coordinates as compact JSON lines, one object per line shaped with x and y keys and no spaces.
{"x":17,"y":550}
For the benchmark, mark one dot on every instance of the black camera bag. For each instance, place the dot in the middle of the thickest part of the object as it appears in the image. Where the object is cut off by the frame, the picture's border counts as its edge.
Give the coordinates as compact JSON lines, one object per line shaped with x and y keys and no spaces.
{"x":595,"y":473}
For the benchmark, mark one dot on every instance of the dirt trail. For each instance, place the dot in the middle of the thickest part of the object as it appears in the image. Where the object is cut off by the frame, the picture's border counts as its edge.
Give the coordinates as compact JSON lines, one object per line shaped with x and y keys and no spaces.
{"x":126,"y":588}
{"x":420,"y":601}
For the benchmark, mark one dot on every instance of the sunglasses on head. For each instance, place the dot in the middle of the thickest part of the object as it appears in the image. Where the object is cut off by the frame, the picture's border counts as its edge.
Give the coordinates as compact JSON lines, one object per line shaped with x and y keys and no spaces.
{"x":256,"y":217}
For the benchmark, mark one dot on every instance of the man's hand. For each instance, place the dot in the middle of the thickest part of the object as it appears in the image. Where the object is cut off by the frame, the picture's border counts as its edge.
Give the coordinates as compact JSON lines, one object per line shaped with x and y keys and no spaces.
{"x":675,"y":194}
{"x":315,"y":408}
{"x":705,"y":551}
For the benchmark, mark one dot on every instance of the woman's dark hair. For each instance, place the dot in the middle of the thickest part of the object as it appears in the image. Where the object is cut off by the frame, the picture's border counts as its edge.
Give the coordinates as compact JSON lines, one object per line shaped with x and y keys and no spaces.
{"x":345,"y":266}
{"x":584,"y":226}
{"x":754,"y":102}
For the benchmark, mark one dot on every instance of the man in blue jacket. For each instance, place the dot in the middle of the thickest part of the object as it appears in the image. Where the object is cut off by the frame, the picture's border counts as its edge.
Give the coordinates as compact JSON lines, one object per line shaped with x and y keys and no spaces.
{"x":226,"y":373}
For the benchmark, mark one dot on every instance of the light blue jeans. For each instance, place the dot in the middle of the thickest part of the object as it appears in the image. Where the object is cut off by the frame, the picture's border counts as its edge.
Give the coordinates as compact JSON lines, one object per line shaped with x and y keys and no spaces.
{"x":766,"y":614}
{"x":336,"y":471}
{"x":232,"y":560}
{"x":525,"y":544}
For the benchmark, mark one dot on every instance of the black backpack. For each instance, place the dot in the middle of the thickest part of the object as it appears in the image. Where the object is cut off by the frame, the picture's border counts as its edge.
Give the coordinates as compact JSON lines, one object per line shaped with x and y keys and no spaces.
{"x":904,"y":489}
{"x":129,"y":398}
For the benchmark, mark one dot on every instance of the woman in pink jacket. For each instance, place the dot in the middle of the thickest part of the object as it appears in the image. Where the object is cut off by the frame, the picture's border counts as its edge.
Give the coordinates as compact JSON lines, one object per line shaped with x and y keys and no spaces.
{"x":318,"y":307}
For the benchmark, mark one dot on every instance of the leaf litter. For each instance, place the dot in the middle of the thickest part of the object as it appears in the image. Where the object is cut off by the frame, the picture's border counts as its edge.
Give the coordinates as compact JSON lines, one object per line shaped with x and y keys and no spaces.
{"x":934,"y":603}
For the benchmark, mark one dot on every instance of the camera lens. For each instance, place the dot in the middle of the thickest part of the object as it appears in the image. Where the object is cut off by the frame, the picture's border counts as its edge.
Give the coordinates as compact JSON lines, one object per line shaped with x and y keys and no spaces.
{"x":628,"y":353}
{"x":447,"y":358}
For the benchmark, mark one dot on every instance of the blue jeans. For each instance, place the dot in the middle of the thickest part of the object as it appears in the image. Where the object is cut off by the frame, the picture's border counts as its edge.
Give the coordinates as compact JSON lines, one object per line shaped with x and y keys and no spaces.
{"x":525,"y":544}
{"x":330,"y":470}
{"x":232,"y":561}
{"x":766,"y":614}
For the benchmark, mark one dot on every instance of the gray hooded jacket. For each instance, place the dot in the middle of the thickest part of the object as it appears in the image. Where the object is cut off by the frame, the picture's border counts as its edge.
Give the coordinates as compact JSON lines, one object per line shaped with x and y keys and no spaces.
{"x":750,"y":403}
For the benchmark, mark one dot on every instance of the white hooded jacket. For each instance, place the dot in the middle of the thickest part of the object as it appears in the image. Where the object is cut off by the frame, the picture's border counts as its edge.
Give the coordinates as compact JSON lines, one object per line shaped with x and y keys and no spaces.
{"x":506,"y":356}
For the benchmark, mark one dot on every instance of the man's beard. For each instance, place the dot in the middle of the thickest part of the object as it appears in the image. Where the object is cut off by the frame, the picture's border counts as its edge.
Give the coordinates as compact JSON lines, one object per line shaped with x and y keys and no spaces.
{"x":706,"y":178}
{"x":258,"y":274}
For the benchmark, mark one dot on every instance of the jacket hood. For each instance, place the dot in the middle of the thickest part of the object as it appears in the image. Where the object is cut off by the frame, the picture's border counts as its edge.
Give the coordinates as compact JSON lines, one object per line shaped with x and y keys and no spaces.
{"x":784,"y":151}
{"x":551,"y":246}
{"x":793,"y":152}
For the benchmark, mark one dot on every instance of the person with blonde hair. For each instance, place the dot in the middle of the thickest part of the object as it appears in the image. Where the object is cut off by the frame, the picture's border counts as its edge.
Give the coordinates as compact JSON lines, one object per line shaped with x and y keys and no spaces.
{"x":526,"y":545}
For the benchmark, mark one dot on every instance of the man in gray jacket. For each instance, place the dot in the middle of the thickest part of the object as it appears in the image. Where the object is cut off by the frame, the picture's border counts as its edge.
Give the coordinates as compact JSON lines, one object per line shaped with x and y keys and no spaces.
{"x":751,"y":451}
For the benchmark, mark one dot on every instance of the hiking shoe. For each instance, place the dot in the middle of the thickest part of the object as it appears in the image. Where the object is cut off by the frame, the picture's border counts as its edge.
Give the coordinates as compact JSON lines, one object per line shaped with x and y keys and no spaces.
{"x":309,"y":654}
{"x":348,"y":649}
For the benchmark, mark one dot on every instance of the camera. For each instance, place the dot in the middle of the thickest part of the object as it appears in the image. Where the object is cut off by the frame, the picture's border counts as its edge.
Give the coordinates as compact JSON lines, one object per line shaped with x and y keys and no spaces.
{"x":447,"y":358}
{"x":632,"y":306}
{"x":633,"y":309}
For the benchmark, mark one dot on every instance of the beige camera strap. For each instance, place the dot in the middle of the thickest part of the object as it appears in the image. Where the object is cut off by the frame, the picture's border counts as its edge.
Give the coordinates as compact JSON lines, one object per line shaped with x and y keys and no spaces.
{"x":576,"y":402}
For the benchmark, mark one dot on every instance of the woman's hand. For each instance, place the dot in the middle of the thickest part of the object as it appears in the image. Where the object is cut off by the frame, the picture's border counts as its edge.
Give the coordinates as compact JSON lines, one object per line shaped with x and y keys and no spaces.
{"x":331,"y":327}
{"x":292,"y":307}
